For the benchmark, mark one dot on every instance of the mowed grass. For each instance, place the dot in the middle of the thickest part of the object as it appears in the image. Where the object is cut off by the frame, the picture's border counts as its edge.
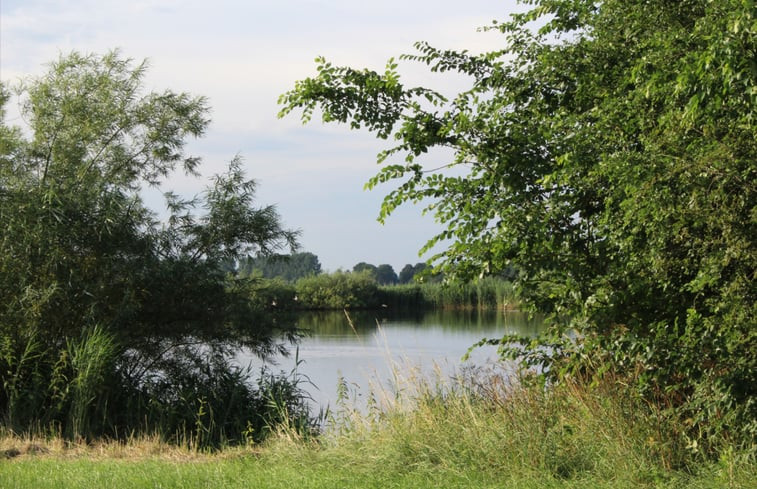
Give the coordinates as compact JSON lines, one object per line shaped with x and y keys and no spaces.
{"x":310,"y":471}
{"x":477,"y":433}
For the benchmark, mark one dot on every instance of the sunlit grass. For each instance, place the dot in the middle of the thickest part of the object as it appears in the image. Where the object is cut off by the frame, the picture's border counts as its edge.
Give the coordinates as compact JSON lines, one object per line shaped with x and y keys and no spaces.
{"x":483,"y":429}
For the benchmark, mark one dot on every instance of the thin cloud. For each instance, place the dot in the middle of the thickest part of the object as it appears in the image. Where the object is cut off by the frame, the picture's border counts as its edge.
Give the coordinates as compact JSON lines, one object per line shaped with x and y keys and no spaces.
{"x":242,"y":55}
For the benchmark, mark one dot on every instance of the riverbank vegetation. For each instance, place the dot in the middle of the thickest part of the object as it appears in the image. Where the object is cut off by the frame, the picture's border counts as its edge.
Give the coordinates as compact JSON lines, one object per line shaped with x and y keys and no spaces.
{"x":112,"y":322}
{"x":482,"y":430}
{"x":608,"y":151}
{"x":361,"y":290}
{"x":115,"y":324}
{"x":296,"y":282}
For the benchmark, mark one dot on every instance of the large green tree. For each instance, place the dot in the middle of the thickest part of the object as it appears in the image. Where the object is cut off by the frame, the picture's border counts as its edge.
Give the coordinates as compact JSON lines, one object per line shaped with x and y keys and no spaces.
{"x":80,"y":252}
{"x":385,"y":274}
{"x":608,"y":152}
{"x":79,"y":246}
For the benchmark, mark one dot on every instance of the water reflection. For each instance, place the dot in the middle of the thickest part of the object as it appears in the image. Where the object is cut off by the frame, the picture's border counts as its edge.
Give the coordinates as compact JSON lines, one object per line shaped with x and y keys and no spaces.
{"x":362,"y":347}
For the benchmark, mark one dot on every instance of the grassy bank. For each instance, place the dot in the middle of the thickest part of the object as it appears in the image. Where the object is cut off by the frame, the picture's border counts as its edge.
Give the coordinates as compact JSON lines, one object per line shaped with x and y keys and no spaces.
{"x":481,"y":432}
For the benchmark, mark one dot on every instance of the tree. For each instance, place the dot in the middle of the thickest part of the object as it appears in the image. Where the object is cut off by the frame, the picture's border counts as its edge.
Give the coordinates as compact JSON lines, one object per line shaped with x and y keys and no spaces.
{"x":385,"y":275}
{"x":288,"y":267}
{"x":406,"y":274}
{"x":607,"y":152}
{"x":81,"y":252}
{"x":363,"y":266}
{"x":417,"y":272}
{"x":79,"y":246}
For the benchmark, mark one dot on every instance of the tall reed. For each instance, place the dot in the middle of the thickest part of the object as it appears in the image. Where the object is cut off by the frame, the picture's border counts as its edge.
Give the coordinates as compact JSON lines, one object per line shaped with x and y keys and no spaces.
{"x":92,"y":361}
{"x":20,"y":360}
{"x":485,"y":293}
{"x":92,"y":388}
{"x":510,"y":429}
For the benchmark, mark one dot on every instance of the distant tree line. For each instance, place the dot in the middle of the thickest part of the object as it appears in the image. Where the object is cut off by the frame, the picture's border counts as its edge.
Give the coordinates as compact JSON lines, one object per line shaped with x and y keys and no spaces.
{"x":297,"y":282}
{"x":286,"y":267}
{"x":295,"y":266}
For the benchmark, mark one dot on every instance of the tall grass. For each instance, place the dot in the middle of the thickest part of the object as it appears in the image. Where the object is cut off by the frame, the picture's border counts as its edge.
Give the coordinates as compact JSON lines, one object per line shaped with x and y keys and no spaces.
{"x":485,"y":293}
{"x":511,"y":432}
{"x":482,"y":429}
{"x":19,"y":360}
{"x":90,"y":388}
{"x":92,"y":359}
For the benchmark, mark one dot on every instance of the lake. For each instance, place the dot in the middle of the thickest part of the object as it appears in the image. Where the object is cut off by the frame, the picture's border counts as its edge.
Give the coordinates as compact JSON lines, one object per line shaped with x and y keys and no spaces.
{"x":367,"y":348}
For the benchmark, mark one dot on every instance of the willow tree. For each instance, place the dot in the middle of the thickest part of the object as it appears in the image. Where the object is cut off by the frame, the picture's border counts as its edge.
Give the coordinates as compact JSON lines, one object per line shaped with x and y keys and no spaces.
{"x":82,"y":256}
{"x":608,"y":152}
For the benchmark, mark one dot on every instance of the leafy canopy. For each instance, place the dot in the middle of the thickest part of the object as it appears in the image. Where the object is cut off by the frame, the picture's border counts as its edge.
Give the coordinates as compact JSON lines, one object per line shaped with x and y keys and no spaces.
{"x":80,"y":248}
{"x":113,"y":322}
{"x":608,"y":152}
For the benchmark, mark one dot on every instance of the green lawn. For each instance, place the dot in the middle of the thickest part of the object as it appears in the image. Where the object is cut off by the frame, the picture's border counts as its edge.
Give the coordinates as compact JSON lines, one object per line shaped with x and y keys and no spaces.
{"x":312,"y":468}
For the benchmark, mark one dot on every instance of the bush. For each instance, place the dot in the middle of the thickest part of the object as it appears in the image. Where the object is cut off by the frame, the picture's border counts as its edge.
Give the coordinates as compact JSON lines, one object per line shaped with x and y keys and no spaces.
{"x":91,"y":388}
{"x":340,"y":290}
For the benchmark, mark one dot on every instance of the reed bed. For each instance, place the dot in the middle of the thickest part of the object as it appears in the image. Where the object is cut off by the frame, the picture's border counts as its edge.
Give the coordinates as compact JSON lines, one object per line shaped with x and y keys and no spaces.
{"x":485,"y":293}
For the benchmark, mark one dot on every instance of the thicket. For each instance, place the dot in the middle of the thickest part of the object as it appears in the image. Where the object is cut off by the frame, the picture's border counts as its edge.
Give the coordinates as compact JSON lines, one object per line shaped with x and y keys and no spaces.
{"x":94,"y":388}
{"x":285,"y":267}
{"x":111,"y":322}
{"x":608,"y":151}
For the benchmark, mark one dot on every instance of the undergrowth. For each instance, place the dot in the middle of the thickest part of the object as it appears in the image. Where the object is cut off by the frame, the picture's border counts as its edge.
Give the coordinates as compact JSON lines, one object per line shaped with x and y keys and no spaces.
{"x":485,"y":428}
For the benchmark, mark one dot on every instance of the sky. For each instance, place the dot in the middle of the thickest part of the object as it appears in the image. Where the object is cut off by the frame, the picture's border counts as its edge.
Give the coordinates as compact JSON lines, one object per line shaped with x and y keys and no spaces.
{"x":242,"y":55}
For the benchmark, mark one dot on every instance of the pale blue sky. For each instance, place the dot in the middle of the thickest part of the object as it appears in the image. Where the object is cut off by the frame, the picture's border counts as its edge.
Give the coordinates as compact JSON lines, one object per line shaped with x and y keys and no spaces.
{"x":242,"y":55}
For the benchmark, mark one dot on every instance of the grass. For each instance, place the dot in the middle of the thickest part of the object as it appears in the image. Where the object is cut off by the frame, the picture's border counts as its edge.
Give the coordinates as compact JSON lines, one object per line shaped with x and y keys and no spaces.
{"x":480,"y":431}
{"x":485,"y":293}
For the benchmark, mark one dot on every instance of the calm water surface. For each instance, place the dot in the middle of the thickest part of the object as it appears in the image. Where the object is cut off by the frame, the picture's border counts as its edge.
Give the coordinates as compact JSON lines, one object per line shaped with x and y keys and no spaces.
{"x":367,"y":349}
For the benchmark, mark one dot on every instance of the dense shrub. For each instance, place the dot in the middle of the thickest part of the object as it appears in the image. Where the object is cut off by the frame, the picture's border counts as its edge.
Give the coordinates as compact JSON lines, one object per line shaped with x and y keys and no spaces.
{"x":100,"y":299}
{"x":93,"y":388}
{"x":339,"y":290}
{"x":607,"y":151}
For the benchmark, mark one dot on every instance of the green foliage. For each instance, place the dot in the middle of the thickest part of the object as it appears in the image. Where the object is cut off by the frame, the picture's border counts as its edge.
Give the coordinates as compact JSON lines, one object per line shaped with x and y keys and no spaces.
{"x":384,"y":273}
{"x":192,"y":395}
{"x":607,"y":151}
{"x":287,"y":267}
{"x":274,"y":294}
{"x":98,"y":295}
{"x":92,"y":360}
{"x":408,"y":272}
{"x":339,"y":290}
{"x":210,"y":403}
{"x":484,"y":293}
{"x":482,"y":430}
{"x":363,"y":266}
{"x":361,"y":290}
